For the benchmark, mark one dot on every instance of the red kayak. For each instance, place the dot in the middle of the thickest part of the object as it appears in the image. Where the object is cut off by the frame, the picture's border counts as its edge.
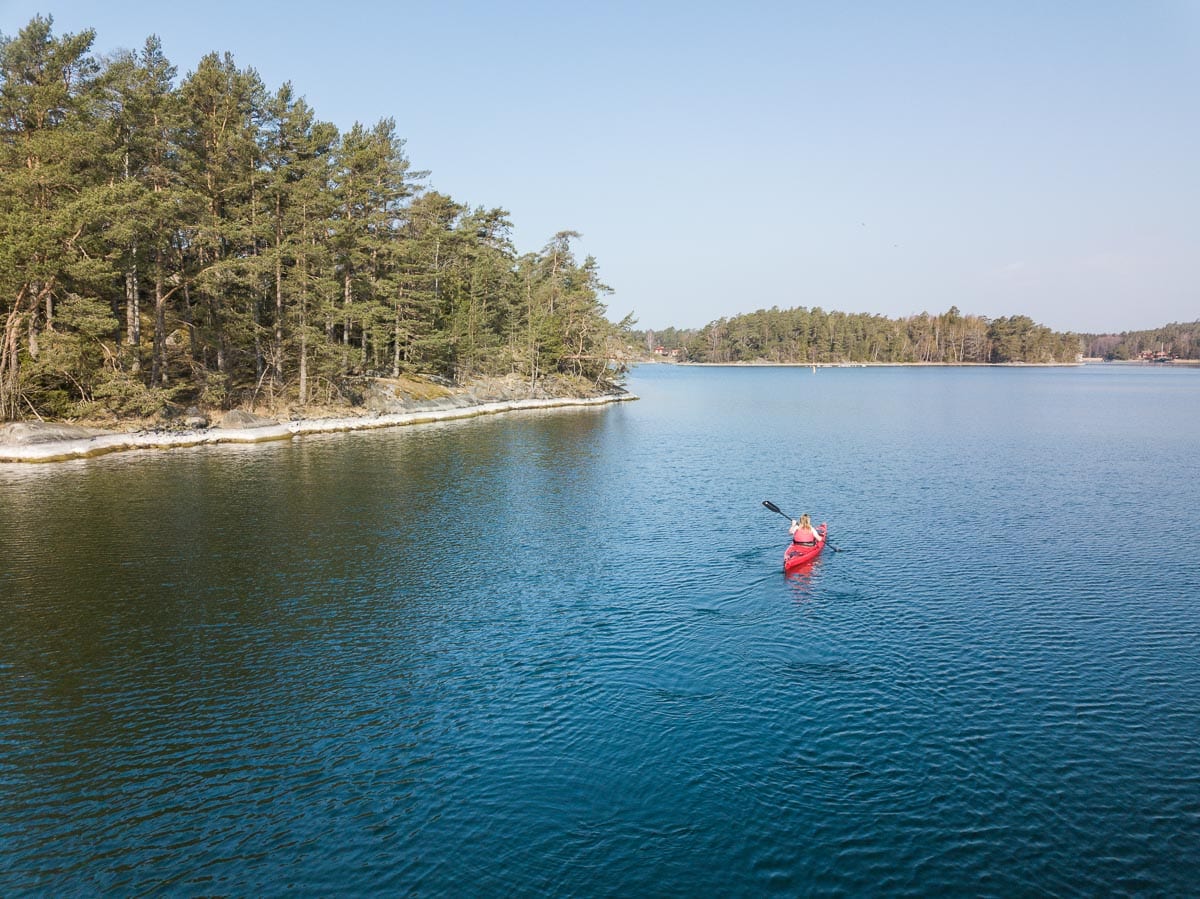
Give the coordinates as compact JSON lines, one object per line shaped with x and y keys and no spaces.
{"x":797,"y":554}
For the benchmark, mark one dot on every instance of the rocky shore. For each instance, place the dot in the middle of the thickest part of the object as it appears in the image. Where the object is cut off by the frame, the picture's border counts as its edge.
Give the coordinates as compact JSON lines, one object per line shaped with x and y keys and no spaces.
{"x":386,"y":403}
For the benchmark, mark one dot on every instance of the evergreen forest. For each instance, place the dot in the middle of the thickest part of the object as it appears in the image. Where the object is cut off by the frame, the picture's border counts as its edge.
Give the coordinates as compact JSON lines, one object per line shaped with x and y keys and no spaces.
{"x":804,"y":335}
{"x":1180,"y":340}
{"x":206,"y":240}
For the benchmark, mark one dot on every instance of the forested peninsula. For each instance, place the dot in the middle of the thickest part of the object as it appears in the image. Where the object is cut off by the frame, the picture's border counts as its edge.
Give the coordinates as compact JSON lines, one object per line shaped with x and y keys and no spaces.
{"x":174,"y":246}
{"x":803,"y":336}
{"x":814,"y":336}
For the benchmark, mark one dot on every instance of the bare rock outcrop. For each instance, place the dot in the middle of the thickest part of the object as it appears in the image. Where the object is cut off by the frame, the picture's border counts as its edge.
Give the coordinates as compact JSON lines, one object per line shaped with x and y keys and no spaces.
{"x":241,"y":419}
{"x":30,"y":433}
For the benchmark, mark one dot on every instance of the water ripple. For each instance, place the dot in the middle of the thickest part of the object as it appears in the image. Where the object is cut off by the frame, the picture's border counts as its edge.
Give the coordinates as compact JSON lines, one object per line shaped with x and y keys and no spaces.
{"x":558,"y":656}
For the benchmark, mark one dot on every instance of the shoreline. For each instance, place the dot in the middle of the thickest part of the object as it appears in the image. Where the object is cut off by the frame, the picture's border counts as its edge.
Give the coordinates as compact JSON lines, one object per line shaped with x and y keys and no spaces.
{"x":1182,"y":363}
{"x":757,"y":364}
{"x":87,"y":446}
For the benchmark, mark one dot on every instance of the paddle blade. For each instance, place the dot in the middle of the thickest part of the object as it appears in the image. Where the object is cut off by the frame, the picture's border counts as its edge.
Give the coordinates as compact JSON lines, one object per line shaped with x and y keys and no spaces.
{"x":774,"y":508}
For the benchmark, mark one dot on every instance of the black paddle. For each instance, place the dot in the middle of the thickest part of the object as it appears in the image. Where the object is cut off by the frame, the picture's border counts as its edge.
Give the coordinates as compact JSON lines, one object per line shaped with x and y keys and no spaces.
{"x":774,"y":508}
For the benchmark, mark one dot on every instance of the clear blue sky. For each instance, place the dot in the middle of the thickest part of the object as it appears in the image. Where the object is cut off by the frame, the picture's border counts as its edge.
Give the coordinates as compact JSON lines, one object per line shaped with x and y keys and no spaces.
{"x":1028,"y":157}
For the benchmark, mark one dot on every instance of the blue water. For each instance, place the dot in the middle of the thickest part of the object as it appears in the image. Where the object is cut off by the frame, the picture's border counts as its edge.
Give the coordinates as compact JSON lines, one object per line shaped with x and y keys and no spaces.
{"x":550,"y":654}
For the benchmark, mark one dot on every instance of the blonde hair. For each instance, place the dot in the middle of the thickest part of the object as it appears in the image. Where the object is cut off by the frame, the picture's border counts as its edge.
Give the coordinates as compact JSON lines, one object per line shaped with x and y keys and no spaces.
{"x":805,"y":521}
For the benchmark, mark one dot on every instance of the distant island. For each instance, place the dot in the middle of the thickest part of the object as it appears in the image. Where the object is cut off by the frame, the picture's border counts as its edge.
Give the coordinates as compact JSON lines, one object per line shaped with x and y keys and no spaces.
{"x":802,"y":336}
{"x":172,"y":251}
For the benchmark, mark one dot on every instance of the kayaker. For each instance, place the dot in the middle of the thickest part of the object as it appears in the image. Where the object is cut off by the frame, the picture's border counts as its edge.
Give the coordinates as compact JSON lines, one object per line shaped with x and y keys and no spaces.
{"x":803,"y":532}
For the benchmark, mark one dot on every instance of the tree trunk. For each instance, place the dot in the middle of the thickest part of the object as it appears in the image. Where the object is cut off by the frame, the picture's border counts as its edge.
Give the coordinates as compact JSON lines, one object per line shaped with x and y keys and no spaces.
{"x":396,"y":342}
{"x":303,"y":355}
{"x":214,"y":316}
{"x":133,"y":316}
{"x":346,"y":294}
{"x":193,"y":337}
{"x":158,"y":365}
{"x":279,"y":303}
{"x":10,"y":364}
{"x":133,"y":313}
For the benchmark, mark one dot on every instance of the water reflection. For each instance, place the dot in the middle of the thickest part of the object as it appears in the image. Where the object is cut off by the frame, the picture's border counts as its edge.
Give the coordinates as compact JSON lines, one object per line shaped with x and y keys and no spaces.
{"x":803,"y":582}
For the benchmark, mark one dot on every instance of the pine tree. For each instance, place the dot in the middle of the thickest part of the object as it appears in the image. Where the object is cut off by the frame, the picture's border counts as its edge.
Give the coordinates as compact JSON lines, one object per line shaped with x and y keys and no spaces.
{"x":220,"y":163}
{"x":483,"y":305}
{"x":298,"y":155}
{"x":372,"y":182}
{"x":153,"y":204}
{"x":51,"y":179}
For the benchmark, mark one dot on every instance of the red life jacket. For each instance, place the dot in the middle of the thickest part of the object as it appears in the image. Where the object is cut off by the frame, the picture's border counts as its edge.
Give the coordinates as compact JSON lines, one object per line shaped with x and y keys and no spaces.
{"x":805,"y":536}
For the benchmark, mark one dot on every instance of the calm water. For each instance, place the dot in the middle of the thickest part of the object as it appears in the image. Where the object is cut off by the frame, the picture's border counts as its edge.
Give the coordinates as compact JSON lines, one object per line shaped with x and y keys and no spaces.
{"x":554,"y":654}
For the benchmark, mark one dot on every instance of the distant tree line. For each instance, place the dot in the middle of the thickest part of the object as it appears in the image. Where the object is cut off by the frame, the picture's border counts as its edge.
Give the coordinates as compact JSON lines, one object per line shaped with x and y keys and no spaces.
{"x":214,"y":242}
{"x":803,"y":335}
{"x":1181,"y":340}
{"x":667,"y":339}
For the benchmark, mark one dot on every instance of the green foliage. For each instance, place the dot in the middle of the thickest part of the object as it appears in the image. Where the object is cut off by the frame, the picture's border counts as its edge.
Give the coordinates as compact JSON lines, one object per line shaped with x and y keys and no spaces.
{"x":215,"y":390}
{"x":125,"y":396}
{"x":1180,"y":340}
{"x":803,"y":335}
{"x":216,"y":241}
